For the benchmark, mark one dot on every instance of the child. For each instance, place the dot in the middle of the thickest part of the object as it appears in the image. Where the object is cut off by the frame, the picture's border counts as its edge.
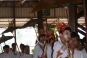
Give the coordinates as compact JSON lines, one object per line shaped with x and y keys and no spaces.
{"x":60,"y":47}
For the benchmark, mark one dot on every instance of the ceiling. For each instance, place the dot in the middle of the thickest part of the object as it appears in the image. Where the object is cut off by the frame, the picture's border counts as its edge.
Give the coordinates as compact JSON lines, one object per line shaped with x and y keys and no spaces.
{"x":21,"y":21}
{"x":22,"y":15}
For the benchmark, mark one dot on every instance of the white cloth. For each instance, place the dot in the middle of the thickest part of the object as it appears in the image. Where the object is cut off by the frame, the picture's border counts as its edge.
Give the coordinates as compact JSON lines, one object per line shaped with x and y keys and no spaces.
{"x":84,"y":53}
{"x":49,"y":51}
{"x":57,"y":47}
{"x":26,"y":56}
{"x":78,"y":54}
{"x":21,"y":54}
{"x":5,"y":55}
{"x":14,"y":54}
{"x":37,"y":51}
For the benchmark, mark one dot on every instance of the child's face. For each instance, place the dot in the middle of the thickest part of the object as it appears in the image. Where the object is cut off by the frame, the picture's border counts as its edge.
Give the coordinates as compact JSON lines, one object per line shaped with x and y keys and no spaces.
{"x":66,"y":35}
{"x":73,"y":42}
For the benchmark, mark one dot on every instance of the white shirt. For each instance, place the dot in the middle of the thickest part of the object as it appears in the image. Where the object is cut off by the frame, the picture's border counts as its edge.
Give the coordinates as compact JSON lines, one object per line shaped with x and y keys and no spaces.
{"x":20,"y":53}
{"x":84,"y":53}
{"x":57,"y":47}
{"x":15,"y":54}
{"x":26,"y":56}
{"x":37,"y":51}
{"x":49,"y":51}
{"x":78,"y":54}
{"x":5,"y":55}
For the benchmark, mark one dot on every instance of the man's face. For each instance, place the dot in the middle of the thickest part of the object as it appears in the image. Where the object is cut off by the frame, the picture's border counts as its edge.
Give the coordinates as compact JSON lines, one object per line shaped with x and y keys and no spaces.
{"x":21,"y":47}
{"x":14,"y":47}
{"x":6,"y":50}
{"x":66,"y":35}
{"x":73,"y":43}
{"x":26,"y":50}
{"x":42,"y":39}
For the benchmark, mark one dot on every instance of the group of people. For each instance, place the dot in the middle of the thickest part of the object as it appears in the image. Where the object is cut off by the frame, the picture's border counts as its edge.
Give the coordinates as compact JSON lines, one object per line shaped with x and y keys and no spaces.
{"x":13,"y":53}
{"x":66,"y":45}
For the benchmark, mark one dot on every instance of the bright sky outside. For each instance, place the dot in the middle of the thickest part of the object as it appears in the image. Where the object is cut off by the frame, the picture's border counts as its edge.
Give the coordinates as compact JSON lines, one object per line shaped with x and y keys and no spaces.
{"x":26,"y":36}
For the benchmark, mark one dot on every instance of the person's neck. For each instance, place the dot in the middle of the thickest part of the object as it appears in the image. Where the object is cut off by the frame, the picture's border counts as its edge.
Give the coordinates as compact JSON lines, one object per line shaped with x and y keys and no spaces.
{"x":63,"y":41}
{"x":22,"y":51}
{"x":72,"y":49}
{"x":6,"y":52}
{"x":13,"y":50}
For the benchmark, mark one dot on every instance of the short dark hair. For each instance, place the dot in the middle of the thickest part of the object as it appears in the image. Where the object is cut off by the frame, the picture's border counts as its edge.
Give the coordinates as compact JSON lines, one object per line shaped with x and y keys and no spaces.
{"x":74,"y":34}
{"x":68,"y":28}
{"x":43,"y":35}
{"x":21,"y":44}
{"x":13,"y":44}
{"x":51,"y":39}
{"x":6,"y":46}
{"x":25,"y":47}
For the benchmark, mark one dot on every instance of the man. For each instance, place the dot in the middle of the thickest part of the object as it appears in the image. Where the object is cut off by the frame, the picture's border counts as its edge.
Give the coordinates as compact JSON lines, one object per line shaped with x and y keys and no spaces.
{"x":6,"y":53}
{"x":73,"y":43}
{"x":26,"y":52}
{"x":39,"y":47}
{"x":14,"y":52}
{"x":22,"y":49}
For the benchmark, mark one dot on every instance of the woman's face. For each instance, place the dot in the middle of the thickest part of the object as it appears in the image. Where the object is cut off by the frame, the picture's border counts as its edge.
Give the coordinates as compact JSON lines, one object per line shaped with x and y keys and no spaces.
{"x":66,"y":35}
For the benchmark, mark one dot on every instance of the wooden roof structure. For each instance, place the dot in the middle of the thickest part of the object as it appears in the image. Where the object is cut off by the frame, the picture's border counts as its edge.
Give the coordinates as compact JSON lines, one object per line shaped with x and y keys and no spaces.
{"x":20,"y":10}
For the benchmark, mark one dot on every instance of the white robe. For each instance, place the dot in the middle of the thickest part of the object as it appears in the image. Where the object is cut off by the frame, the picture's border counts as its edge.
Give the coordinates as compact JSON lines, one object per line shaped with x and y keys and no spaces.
{"x":49,"y":51}
{"x":26,"y":56}
{"x":5,"y":55}
{"x":57,"y":47}
{"x":37,"y":51}
{"x":84,"y":53}
{"x":15,"y":54}
{"x":78,"y":54}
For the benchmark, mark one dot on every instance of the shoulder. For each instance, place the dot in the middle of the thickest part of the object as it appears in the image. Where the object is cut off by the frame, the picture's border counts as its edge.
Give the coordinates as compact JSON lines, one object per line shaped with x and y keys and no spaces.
{"x":37,"y":46}
{"x":79,"y":52}
{"x":57,"y":43}
{"x":1,"y":53}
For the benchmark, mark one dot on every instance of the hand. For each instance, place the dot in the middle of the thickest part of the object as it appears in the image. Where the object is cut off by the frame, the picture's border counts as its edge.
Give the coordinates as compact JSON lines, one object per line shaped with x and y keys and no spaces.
{"x":64,"y":47}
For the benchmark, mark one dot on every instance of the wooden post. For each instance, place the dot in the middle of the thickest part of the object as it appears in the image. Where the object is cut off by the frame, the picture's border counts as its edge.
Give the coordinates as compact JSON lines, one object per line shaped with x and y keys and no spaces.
{"x":40,"y":17}
{"x":72,"y":17}
{"x":85,"y":14}
{"x":14,"y":21}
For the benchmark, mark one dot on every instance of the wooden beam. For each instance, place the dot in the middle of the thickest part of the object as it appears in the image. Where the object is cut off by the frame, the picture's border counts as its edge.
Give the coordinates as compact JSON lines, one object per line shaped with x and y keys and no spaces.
{"x":80,"y":14}
{"x":72,"y":17}
{"x":40,"y":17}
{"x":14,"y":22}
{"x":85,"y":13}
{"x":2,"y":3}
